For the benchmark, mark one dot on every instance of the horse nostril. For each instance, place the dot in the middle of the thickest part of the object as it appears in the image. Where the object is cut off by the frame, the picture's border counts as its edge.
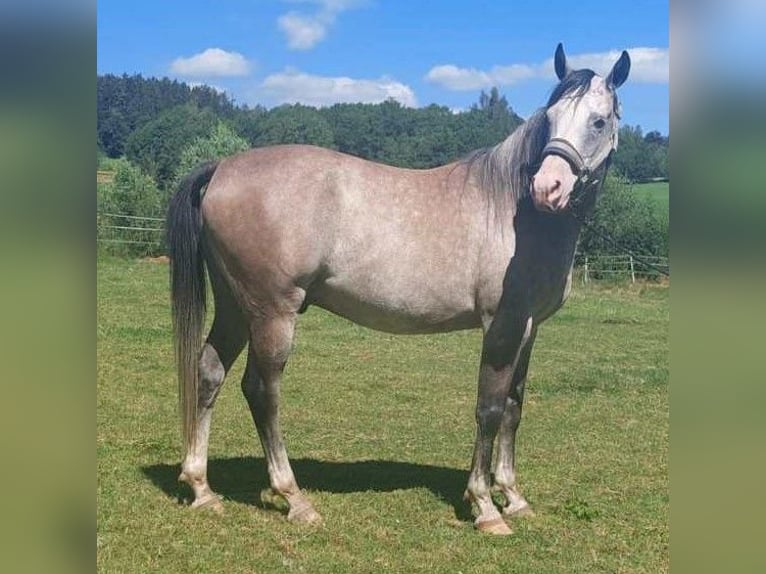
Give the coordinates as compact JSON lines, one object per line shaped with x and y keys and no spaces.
{"x":556,"y":185}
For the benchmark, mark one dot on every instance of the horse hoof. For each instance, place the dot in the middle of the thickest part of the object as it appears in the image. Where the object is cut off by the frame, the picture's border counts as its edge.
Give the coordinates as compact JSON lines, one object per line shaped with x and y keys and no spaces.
{"x":304,"y":514}
{"x":517,"y":512}
{"x":209,"y":502}
{"x":495,"y":526}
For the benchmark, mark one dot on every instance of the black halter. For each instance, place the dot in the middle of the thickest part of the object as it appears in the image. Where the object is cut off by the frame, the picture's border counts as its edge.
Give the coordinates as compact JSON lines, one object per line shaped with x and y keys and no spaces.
{"x":566,"y":151}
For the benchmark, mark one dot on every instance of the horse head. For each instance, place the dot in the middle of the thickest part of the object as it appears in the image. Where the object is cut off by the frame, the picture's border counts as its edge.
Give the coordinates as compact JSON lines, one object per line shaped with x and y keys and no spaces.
{"x":583,"y":116}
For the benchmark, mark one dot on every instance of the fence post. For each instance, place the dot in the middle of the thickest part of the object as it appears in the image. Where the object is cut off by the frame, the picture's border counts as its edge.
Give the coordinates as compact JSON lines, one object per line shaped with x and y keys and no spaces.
{"x":585,"y":276}
{"x":632,"y":270}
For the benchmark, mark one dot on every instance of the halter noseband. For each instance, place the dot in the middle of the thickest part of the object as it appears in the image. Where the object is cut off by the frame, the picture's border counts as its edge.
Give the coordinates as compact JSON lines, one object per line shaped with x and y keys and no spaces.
{"x":566,"y":151}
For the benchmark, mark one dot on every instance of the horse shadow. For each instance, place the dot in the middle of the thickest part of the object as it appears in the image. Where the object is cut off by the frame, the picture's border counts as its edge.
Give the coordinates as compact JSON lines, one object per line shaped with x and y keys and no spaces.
{"x":241,"y":479}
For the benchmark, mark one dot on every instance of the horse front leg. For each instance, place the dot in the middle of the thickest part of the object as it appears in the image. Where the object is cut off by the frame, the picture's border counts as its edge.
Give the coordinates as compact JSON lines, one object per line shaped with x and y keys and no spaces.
{"x":502,"y":350}
{"x":505,"y":467}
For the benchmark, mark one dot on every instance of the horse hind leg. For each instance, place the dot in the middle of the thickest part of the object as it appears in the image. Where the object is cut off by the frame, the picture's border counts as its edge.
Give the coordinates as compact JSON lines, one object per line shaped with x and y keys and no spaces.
{"x":224,"y":343}
{"x":270,"y":343}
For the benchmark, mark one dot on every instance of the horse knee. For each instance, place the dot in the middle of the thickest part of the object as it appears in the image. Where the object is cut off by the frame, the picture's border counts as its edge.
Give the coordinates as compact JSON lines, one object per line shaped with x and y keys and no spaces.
{"x":489,"y":416}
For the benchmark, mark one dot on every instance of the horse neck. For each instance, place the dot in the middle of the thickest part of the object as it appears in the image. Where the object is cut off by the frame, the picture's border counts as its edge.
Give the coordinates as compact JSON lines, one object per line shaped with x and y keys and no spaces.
{"x":554,"y":232}
{"x":561,"y":228}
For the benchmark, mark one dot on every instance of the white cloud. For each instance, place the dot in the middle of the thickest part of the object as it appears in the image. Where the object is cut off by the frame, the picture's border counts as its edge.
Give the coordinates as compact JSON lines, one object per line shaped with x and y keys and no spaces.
{"x":513,"y":74}
{"x":213,"y":62}
{"x":303,"y":31}
{"x":455,"y":78}
{"x":294,"y":86}
{"x":648,"y":65}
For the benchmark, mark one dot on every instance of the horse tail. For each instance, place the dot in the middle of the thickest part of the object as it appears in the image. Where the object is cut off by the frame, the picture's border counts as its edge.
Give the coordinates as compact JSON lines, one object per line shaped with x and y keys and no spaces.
{"x":187,"y":291}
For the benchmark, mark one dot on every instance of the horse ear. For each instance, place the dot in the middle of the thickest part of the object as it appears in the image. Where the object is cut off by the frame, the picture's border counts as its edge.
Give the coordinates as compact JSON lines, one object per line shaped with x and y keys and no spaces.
{"x":619,"y":72}
{"x":560,"y":62}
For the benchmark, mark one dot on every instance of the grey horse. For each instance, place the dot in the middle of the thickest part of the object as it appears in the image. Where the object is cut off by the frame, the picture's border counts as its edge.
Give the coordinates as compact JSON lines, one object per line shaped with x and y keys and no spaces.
{"x":484,"y":242}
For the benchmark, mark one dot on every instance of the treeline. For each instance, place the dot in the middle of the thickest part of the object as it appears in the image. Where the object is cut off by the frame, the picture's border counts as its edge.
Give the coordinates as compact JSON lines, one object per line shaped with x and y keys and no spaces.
{"x":640,"y":157}
{"x":151,"y":121}
{"x":126,"y":103}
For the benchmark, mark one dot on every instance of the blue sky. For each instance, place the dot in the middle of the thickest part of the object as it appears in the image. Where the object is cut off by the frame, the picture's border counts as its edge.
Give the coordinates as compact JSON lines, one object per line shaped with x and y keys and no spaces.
{"x":320,"y":52}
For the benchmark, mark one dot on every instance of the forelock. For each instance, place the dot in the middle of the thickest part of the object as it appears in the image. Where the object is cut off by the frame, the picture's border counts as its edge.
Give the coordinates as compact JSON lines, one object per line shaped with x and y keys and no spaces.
{"x":575,"y":84}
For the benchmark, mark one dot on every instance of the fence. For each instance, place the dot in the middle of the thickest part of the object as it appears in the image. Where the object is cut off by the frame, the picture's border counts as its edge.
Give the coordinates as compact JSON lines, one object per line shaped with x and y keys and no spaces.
{"x":138,"y":235}
{"x":131,"y":234}
{"x":615,"y":267}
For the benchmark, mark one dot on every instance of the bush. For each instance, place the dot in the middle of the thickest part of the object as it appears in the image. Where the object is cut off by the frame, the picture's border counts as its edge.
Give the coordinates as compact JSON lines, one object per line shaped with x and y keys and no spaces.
{"x":121,"y":203}
{"x":220,"y":143}
{"x":624,"y":222}
{"x":156,"y":147}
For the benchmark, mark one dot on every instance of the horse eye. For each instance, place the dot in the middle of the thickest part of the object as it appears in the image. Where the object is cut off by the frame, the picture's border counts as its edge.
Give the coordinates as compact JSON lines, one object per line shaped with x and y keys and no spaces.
{"x":599,"y":124}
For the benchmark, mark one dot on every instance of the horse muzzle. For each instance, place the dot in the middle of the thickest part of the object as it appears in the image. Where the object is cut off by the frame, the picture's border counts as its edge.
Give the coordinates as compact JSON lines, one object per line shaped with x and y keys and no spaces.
{"x":561,"y":170}
{"x":552,"y":185}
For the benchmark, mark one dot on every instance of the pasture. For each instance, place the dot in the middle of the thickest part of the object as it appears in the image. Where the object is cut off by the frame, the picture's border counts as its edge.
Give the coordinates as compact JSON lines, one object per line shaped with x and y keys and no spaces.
{"x":385,"y":463}
{"x":659,"y":194}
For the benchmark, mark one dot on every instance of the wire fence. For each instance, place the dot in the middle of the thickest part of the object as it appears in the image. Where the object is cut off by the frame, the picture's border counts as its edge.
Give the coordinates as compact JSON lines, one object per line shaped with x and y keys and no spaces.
{"x":621,"y":267}
{"x":131,"y":234}
{"x":142,"y":236}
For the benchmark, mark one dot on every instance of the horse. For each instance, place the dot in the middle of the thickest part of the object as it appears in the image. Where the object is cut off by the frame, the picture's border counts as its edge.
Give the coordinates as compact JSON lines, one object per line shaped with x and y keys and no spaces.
{"x":486,"y":241}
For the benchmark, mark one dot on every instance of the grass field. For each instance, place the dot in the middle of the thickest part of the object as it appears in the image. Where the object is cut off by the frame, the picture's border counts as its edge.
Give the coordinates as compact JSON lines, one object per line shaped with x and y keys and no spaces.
{"x":380,"y":431}
{"x":659,"y":193}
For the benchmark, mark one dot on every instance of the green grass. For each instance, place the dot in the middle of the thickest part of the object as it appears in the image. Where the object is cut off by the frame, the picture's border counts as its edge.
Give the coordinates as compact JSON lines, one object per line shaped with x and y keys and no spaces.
{"x":659,"y":193}
{"x":380,"y":431}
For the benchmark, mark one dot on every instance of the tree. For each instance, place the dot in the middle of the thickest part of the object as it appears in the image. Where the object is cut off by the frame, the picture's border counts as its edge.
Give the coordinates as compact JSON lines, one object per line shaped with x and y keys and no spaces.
{"x":126,"y":103}
{"x":656,"y":138}
{"x":292,"y":124}
{"x":220,"y":143}
{"x":246,"y":122}
{"x":156,"y":147}
{"x":497,"y":116}
{"x":639,"y":157}
{"x":486,"y":123}
{"x":355,"y":129}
